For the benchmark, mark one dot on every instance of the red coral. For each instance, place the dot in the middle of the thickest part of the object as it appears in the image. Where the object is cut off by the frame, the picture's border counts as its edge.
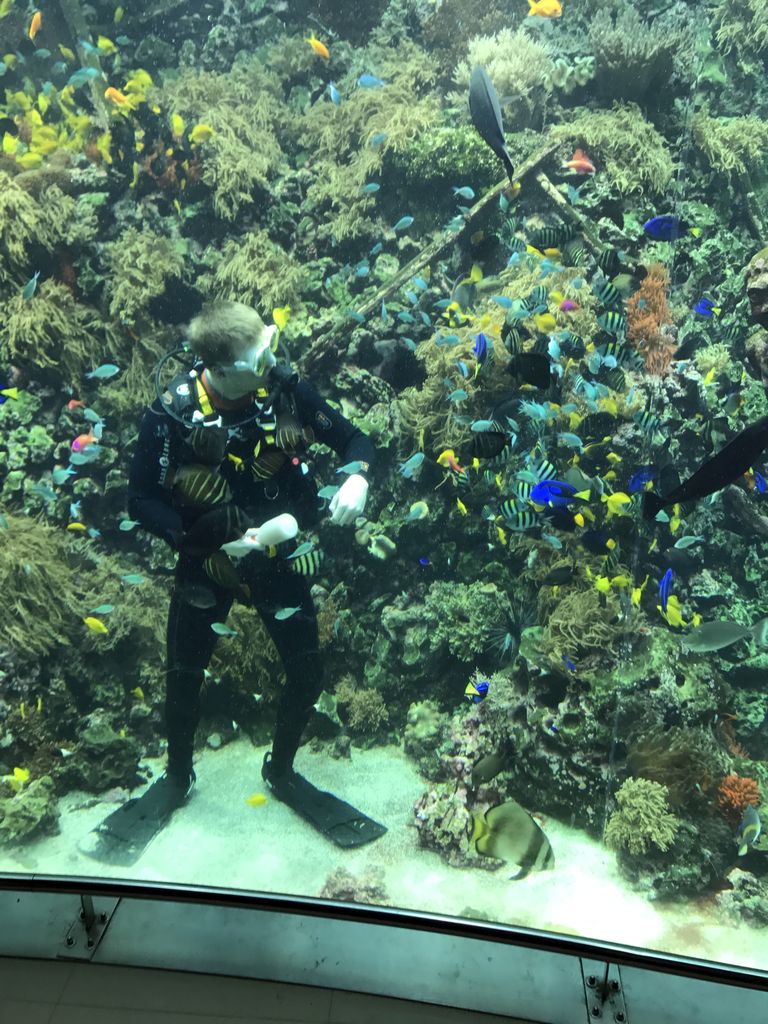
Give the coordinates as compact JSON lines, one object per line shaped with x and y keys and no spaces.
{"x":733,"y":795}
{"x":649,"y":321}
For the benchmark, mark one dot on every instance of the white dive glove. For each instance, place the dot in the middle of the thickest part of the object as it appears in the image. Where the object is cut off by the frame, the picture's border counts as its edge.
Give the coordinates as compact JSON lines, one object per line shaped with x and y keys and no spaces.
{"x":349,"y":501}
{"x":245,"y":545}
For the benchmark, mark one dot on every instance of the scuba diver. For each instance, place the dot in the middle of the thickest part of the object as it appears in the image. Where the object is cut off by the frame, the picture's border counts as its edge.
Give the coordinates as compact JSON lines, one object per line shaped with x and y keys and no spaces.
{"x":219,"y":473}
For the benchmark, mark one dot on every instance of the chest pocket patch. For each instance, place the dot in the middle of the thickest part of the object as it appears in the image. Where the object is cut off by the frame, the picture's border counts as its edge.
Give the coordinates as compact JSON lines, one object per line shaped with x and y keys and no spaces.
{"x":322,"y":421}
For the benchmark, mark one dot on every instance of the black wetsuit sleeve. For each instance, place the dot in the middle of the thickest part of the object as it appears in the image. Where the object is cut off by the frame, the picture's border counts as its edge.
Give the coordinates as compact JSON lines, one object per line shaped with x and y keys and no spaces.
{"x":333,"y":429}
{"x":149,"y":501}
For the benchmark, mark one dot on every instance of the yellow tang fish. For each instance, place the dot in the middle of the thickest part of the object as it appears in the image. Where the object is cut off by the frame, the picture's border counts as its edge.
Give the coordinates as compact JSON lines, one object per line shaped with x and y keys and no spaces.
{"x":462,"y":507}
{"x":118,"y":15}
{"x":281,"y":316}
{"x":95,"y":625}
{"x":545,"y":8}
{"x":77,"y":527}
{"x":200,"y":133}
{"x":637,"y":592}
{"x":106,"y":46}
{"x":673,"y":614}
{"x":177,"y":125}
{"x":618,"y":503}
{"x":602,"y":584}
{"x":502,"y":536}
{"x":5,"y":8}
{"x":66,"y":53}
{"x":545,"y":322}
{"x":138,"y":693}
{"x":256,"y":800}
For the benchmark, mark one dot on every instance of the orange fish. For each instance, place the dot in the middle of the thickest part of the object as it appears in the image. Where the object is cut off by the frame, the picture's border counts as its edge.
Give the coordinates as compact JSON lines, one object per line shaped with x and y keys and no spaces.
{"x":580,"y":163}
{"x":75,"y":403}
{"x":320,"y":48}
{"x":115,"y":96}
{"x":34,"y":25}
{"x":82,"y":441}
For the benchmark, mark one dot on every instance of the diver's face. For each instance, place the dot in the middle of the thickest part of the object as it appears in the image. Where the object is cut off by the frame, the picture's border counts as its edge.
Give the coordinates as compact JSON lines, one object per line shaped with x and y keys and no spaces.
{"x":249,"y":369}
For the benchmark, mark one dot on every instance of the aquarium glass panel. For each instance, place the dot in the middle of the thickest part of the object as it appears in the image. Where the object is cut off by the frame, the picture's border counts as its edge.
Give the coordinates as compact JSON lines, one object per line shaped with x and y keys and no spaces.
{"x":383,"y":504}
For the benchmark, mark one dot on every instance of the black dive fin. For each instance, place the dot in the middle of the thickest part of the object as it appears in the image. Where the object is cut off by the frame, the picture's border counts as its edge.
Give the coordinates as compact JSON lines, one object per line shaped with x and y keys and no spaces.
{"x":485,"y":111}
{"x":126,"y":833}
{"x":338,"y":821}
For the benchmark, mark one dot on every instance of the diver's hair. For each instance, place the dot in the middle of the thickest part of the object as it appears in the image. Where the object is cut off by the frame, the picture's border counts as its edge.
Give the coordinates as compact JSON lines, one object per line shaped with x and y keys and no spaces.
{"x":222,"y":329}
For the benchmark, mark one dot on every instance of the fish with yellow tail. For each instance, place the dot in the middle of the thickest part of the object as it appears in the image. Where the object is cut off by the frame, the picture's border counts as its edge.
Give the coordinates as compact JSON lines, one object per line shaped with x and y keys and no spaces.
{"x":509,"y":833}
{"x":545,"y":8}
{"x":618,"y":504}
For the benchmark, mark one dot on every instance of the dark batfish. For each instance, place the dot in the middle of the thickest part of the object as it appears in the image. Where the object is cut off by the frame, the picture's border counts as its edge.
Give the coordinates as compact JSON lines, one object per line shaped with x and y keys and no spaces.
{"x":486,"y":116}
{"x":722,"y":469}
{"x":197,"y":595}
{"x":531,"y":367}
{"x":508,"y":832}
{"x":488,"y":445}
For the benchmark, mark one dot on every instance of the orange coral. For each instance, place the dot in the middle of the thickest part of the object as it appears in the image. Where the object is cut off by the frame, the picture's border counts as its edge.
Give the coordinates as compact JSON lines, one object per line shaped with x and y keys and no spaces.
{"x":649,"y":318}
{"x":733,"y":795}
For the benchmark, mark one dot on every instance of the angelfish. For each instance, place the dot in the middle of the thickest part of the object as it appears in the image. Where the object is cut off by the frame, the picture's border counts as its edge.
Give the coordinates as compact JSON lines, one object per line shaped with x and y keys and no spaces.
{"x":508,"y":832}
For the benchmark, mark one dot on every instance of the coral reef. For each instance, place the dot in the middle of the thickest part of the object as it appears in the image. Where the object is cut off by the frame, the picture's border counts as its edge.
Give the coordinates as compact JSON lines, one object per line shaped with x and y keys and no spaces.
{"x":649,"y":318}
{"x":139,"y":264}
{"x":30,"y":813}
{"x":733,"y":795}
{"x":365,"y":888}
{"x":642,"y":819}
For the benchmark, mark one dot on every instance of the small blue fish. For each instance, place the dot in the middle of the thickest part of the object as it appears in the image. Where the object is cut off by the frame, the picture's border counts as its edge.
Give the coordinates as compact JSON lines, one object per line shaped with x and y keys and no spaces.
{"x":3,"y":68}
{"x":370,"y":189}
{"x":41,"y":53}
{"x":456,"y":223}
{"x":403,"y":224}
{"x":463,"y":368}
{"x":573,"y":195}
{"x":362,"y":269}
{"x":286,"y":613}
{"x":569,"y":664}
{"x":376,"y":249}
{"x":571,"y":440}
{"x":412,"y":297}
{"x":30,"y":287}
{"x":665,"y":588}
{"x":384,"y":312}
{"x":133,"y":578}
{"x":82,"y":76}
{"x":327,"y":492}
{"x":405,"y":317}
{"x":425,"y":318}
{"x":88,"y":455}
{"x":556,"y":543}
{"x":126,"y":525}
{"x":376,"y":139}
{"x":706,"y":307}
{"x":103,"y":372}
{"x":222,"y":629}
{"x":334,"y":93}
{"x":122,"y":40}
{"x":370,"y":82}
{"x":465,"y":192}
{"x":93,"y":533}
{"x":420,"y":283}
{"x":74,"y":510}
{"x":476,"y":692}
{"x":409,"y":343}
{"x":554,"y":493}
{"x":102,"y":609}
{"x":643,"y":475}
{"x":577,"y":283}
{"x":59,"y":67}
{"x":424,"y":561}
{"x":87,"y":46}
{"x":760,"y":484}
{"x":503,"y":202}
{"x":480,"y":348}
{"x":504,"y":302}
{"x":459,"y":395}
{"x":92,"y":416}
{"x":354,"y":315}
{"x":46,"y":493}
{"x":411,"y":466}
{"x":350,"y":468}
{"x":47,"y":89}
{"x":667,"y":227}
{"x":302,"y":549}
{"x":60,"y":476}
{"x":441,"y":304}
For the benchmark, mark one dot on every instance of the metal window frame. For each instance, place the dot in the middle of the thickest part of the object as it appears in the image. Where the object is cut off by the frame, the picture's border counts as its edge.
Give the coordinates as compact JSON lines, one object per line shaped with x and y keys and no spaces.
{"x":471,"y":965}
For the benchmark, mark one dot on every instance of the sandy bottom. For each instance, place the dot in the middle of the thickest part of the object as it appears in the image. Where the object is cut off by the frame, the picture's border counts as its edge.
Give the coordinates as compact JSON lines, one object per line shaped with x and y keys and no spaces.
{"x":218,"y":839}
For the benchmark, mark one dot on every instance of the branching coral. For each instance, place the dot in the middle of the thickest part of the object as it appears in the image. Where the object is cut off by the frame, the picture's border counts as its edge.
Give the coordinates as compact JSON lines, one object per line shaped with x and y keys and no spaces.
{"x":244,"y":107}
{"x":733,"y":145}
{"x":40,"y":606}
{"x":642,"y":820}
{"x":632,"y":55}
{"x":742,"y":27}
{"x":733,"y":795}
{"x":54,"y":331}
{"x":140,"y":262}
{"x":520,"y":68}
{"x":633,"y":154}
{"x":647,"y":316}
{"x":256,"y":271}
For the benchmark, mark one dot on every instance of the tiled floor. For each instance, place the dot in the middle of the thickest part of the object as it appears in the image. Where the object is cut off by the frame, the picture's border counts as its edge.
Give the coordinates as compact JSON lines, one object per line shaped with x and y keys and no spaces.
{"x":49,"y":992}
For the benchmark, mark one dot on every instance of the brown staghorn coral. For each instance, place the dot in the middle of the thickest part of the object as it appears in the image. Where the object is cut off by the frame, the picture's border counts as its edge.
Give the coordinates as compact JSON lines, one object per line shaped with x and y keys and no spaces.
{"x":139,"y":264}
{"x":648,"y":315}
{"x":254,"y":270}
{"x":680,"y":759}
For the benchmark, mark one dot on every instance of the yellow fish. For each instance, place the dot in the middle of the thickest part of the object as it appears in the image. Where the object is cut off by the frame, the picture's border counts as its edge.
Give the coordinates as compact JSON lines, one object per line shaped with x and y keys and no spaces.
{"x":618,"y":503}
{"x":34,"y":25}
{"x":106,"y":46}
{"x":602,"y":584}
{"x":709,"y":378}
{"x":281,"y":316}
{"x":10,"y":144}
{"x":610,"y":543}
{"x":17,"y":779}
{"x":637,"y":592}
{"x":77,"y":527}
{"x":200,"y":133}
{"x":66,"y":53}
{"x":138,"y":693}
{"x":118,"y":15}
{"x":545,"y":322}
{"x":177,"y":125}
{"x":675,"y":521}
{"x":613,"y":457}
{"x":5,"y":8}
{"x":95,"y":625}
{"x":620,"y":582}
{"x":579,"y":519}
{"x":502,"y":536}
{"x":39,"y":705}
{"x":320,"y":48}
{"x":29,"y":161}
{"x":256,"y":800}
{"x":22,"y":711}
{"x":545,"y":8}
{"x":462,"y":507}
{"x":673,"y":614}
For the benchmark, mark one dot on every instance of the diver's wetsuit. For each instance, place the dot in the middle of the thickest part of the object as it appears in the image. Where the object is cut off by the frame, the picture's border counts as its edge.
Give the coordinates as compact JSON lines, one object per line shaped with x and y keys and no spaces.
{"x":262,"y":465}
